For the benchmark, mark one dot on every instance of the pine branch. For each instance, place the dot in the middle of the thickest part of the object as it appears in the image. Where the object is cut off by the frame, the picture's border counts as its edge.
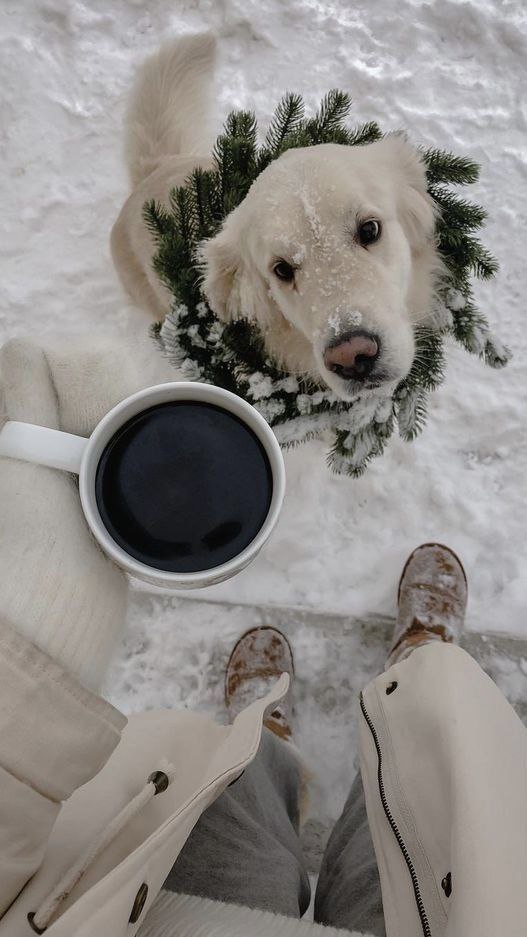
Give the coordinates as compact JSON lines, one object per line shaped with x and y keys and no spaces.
{"x":428,"y":367}
{"x":365,"y":133}
{"x":234,"y":156}
{"x":286,"y":120}
{"x":495,"y":354}
{"x":457,"y":212}
{"x":157,"y":219}
{"x":464,"y":250}
{"x":411,"y":412}
{"x":444,"y":167}
{"x":207,"y":200}
{"x":184,"y":217}
{"x":485,"y":266}
{"x":334,"y":108}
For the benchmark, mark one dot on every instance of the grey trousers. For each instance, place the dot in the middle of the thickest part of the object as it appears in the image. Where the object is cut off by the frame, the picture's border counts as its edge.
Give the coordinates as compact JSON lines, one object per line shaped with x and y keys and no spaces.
{"x":245,"y":849}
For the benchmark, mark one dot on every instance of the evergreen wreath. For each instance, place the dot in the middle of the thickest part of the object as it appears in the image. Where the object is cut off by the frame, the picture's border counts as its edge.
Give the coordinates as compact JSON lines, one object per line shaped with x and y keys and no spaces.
{"x":233,"y":355}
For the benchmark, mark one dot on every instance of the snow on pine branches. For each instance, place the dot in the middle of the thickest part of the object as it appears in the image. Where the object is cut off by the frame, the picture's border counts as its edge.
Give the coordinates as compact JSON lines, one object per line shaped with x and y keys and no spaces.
{"x":233,"y":355}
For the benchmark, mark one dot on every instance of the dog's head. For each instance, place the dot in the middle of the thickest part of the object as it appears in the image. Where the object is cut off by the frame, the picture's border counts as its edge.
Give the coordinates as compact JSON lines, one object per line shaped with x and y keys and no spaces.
{"x":332,"y":253}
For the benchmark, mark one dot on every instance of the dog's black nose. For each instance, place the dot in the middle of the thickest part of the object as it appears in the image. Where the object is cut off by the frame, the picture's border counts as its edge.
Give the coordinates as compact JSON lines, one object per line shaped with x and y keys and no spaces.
{"x":353,"y":356}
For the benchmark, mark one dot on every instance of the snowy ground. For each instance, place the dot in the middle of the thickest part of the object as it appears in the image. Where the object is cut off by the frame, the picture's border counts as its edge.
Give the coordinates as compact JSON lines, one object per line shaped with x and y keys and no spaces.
{"x":451,"y":73}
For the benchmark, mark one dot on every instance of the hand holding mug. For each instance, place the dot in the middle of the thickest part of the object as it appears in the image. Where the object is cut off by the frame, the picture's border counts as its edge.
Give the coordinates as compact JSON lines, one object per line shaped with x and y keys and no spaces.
{"x":181,"y":484}
{"x":57,"y":588}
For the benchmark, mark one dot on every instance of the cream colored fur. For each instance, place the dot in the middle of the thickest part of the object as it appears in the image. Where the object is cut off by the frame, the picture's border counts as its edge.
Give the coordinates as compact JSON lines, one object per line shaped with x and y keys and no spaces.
{"x":166,"y":129}
{"x":305,"y":208}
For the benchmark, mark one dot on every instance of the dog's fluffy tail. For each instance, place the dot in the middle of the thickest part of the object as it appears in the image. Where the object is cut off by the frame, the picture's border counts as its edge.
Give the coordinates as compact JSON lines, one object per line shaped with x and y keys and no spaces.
{"x":168,"y":110}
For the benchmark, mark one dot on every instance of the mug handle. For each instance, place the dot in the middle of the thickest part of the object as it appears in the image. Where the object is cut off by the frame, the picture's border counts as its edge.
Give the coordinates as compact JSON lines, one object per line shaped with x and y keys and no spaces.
{"x":42,"y":446}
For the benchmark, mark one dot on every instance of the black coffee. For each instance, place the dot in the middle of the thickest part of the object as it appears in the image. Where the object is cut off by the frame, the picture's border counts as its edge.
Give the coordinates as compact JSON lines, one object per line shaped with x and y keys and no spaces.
{"x":184,"y":486}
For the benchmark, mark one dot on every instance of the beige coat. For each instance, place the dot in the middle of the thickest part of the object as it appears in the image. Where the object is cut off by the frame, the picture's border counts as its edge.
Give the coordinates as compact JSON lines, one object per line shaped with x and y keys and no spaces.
{"x":444,"y":760}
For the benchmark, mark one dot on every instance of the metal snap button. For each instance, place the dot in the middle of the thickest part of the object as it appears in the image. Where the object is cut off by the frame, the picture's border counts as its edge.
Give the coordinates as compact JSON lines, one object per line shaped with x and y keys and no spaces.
{"x":38,"y":930}
{"x":160,"y":781}
{"x":236,"y":779}
{"x":392,"y":686}
{"x":138,"y":904}
{"x":446,"y":884}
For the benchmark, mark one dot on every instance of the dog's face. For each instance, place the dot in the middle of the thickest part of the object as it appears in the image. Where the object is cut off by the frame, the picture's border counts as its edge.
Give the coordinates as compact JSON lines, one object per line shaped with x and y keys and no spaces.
{"x":332,"y":253}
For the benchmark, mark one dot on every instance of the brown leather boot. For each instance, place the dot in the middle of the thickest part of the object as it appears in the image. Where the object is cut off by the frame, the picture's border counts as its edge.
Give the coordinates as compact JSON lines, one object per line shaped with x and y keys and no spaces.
{"x":431,"y":602}
{"x":259,"y":657}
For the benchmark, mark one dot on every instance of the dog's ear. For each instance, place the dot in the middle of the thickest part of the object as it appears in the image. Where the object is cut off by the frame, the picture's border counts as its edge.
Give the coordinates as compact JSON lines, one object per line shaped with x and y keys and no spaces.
{"x":220,"y":264}
{"x":417,"y":210}
{"x":232,"y":284}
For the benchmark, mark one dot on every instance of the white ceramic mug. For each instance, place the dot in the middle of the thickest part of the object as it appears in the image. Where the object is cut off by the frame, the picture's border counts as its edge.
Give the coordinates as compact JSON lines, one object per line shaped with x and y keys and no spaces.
{"x":76,"y":454}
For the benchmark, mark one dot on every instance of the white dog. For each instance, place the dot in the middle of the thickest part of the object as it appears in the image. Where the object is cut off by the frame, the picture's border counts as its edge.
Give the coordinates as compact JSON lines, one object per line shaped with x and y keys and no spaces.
{"x":332,"y":251}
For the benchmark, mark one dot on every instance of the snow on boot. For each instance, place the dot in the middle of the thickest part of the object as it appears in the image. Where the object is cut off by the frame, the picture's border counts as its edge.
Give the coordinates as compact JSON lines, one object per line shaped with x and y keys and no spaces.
{"x":259,"y":658}
{"x":431,"y":602}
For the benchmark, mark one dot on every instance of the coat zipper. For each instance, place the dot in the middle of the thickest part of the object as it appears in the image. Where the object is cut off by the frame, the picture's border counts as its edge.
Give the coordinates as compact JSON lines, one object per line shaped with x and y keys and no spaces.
{"x":425,"y":924}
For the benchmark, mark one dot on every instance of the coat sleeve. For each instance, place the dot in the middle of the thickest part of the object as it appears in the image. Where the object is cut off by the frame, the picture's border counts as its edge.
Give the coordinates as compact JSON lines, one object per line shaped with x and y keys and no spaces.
{"x":62,"y":603}
{"x":54,"y":736}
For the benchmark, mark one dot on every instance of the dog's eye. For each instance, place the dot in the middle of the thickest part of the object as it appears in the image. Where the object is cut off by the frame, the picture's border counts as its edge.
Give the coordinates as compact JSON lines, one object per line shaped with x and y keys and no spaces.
{"x":369,"y":232}
{"x":284,"y":271}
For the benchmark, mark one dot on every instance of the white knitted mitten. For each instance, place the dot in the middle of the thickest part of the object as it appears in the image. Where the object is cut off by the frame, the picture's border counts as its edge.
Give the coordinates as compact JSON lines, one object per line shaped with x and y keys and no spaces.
{"x":56,"y":586}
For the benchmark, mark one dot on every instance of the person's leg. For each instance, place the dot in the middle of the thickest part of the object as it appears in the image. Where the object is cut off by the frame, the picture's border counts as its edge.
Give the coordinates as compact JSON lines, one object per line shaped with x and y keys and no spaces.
{"x":245,"y":848}
{"x":431,"y":607}
{"x":349,"y":891}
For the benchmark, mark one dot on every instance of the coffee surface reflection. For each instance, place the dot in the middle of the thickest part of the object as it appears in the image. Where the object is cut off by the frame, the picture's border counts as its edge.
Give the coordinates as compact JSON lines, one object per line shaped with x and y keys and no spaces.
{"x":184,"y":486}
